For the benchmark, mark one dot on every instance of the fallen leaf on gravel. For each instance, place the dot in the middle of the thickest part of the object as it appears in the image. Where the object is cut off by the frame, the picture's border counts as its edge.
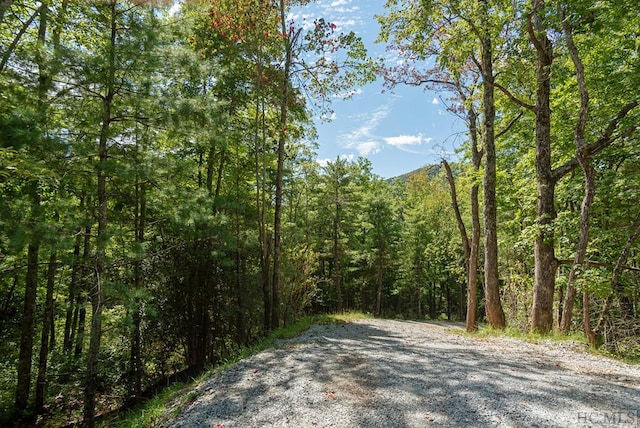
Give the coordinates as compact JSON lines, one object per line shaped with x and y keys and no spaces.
{"x":330,"y":394}
{"x":256,"y":371}
{"x":219,"y":426}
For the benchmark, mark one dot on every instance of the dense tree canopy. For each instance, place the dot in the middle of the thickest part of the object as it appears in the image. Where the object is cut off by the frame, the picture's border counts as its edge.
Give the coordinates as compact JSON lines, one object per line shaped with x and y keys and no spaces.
{"x":162,"y":206}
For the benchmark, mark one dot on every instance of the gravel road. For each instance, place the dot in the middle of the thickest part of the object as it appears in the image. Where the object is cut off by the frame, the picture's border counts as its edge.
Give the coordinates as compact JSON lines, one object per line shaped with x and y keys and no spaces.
{"x":381,"y":373}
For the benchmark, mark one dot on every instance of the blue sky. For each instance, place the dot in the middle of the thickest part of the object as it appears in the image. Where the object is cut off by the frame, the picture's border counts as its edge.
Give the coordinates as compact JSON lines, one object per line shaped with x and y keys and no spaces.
{"x":397,"y":131}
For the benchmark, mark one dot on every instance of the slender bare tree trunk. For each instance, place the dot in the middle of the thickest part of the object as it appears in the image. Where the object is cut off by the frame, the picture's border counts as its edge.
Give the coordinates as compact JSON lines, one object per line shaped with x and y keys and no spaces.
{"x":470,"y":247}
{"x":337,"y":274}
{"x":82,"y":292}
{"x":136,"y":370}
{"x":261,"y":199}
{"x":47,"y":322}
{"x":495,"y":313}
{"x":380,"y":277}
{"x":23,"y":387}
{"x":288,"y":41}
{"x":97,"y":293}
{"x":71,"y":299}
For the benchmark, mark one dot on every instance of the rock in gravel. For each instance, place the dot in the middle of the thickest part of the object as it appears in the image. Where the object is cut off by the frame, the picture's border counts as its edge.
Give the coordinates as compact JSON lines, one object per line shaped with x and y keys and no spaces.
{"x":382,"y":373}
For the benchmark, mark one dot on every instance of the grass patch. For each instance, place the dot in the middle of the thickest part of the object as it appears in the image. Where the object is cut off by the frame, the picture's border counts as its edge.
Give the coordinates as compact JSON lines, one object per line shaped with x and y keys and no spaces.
{"x":629,"y":355}
{"x":343,"y":318}
{"x":149,"y":413}
{"x":172,"y":400}
{"x":554,"y":336}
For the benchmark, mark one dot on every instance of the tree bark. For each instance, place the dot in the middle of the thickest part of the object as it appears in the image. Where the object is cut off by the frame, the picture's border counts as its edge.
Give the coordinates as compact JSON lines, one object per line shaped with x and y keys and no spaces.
{"x":23,"y":386}
{"x":544,"y":253}
{"x":589,"y":189}
{"x":261,"y":201}
{"x":135,"y":361}
{"x":97,"y":293}
{"x":380,"y":274}
{"x":282,"y":139}
{"x":337,"y":274}
{"x":47,"y":323}
{"x":495,"y":313}
{"x":71,"y":297}
{"x":583,"y":153}
{"x":472,"y":274}
{"x":82,"y":292}
{"x":470,"y":248}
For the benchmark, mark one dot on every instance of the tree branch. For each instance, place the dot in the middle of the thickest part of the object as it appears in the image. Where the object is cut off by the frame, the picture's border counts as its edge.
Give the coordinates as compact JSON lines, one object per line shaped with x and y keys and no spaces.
{"x":456,"y":209}
{"x":510,"y":125}
{"x":16,"y":39}
{"x":588,"y":263}
{"x":605,"y":140}
{"x":513,"y":97}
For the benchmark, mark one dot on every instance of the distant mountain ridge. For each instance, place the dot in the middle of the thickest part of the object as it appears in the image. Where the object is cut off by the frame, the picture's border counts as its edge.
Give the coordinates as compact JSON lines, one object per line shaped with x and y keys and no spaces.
{"x":430,"y":170}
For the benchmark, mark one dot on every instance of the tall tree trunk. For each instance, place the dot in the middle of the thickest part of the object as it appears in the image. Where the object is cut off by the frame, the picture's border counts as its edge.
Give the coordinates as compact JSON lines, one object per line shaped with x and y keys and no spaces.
{"x":47,"y":323}
{"x":71,"y":298}
{"x":544,"y":253}
{"x":417,"y":267}
{"x":472,"y":274}
{"x":380,"y":277}
{"x":545,"y":261}
{"x":495,"y":313}
{"x":84,"y":289}
{"x":589,"y":188}
{"x":135,"y":361}
{"x":23,"y":386}
{"x":260,"y":148}
{"x":97,"y":293}
{"x":8,"y":302}
{"x":336,"y":273}
{"x":470,"y":248}
{"x":282,"y":139}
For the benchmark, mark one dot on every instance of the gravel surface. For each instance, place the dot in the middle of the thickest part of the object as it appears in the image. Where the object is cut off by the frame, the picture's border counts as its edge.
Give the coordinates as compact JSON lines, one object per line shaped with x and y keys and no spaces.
{"x":381,"y":373}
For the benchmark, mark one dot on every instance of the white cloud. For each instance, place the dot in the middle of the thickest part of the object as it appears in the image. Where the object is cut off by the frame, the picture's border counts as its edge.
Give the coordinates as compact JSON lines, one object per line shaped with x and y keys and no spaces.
{"x":366,"y":141}
{"x":365,"y":132}
{"x":404,"y":140}
{"x":337,"y":3}
{"x":435,"y":101}
{"x":368,"y":148}
{"x":349,"y":10}
{"x":342,"y":24}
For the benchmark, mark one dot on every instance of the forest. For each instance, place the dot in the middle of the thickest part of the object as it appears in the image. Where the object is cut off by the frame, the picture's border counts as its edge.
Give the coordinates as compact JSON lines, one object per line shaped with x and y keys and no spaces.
{"x":162,"y":206}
